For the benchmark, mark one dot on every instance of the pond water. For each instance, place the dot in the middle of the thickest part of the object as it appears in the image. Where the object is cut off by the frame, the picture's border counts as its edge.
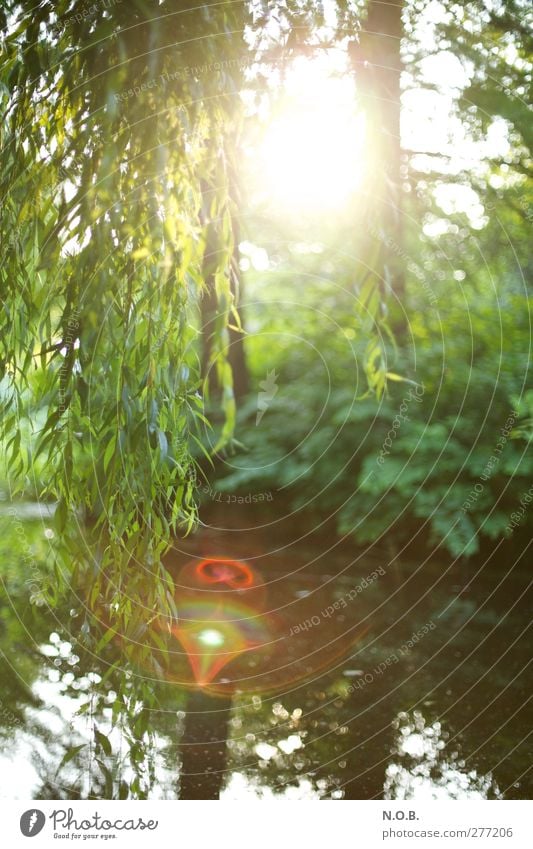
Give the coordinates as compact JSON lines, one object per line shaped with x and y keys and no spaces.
{"x":359,"y":677}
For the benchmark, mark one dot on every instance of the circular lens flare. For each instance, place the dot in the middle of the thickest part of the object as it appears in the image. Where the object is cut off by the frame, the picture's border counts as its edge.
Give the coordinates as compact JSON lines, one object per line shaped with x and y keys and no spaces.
{"x":218,"y":570}
{"x":226,"y":639}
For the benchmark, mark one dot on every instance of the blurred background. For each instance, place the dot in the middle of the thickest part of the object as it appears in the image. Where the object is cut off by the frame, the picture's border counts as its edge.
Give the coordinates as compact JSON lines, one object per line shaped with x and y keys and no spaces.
{"x":265,"y":491}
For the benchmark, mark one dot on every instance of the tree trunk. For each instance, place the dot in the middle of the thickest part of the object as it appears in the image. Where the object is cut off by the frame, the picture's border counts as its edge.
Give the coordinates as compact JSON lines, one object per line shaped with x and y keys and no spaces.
{"x":209,"y":304}
{"x":236,"y":355}
{"x":378,"y":65}
{"x":204,"y":746}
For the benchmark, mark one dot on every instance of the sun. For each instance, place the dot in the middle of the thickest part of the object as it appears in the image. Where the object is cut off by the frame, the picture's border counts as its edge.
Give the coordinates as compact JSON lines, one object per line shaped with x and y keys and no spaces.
{"x":311,"y":153}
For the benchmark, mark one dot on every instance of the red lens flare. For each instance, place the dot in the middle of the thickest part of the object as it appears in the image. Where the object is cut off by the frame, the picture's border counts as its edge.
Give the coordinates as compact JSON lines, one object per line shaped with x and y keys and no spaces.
{"x":220,"y":601}
{"x":227,"y":639}
{"x":234,"y":573}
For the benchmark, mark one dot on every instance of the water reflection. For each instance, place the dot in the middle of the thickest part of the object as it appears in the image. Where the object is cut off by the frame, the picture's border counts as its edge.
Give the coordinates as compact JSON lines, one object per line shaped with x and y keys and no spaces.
{"x":424,"y":769}
{"x":421,"y":767}
{"x":37,"y":753}
{"x":241,"y":787}
{"x":379,"y":722}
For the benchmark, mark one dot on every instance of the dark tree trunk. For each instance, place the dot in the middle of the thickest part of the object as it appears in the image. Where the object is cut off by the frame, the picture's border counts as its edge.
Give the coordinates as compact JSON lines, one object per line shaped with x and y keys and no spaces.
{"x":209,"y":304}
{"x":204,"y":746}
{"x":378,"y":65}
{"x":237,"y":355}
{"x":209,"y":309}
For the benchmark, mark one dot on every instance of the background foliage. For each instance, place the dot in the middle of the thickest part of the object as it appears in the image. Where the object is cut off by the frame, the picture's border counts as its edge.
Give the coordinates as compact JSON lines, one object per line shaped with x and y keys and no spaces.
{"x":126,"y":209}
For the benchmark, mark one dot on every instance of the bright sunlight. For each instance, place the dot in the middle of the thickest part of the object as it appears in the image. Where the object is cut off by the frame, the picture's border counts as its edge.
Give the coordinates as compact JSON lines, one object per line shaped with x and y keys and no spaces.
{"x":311,"y":153}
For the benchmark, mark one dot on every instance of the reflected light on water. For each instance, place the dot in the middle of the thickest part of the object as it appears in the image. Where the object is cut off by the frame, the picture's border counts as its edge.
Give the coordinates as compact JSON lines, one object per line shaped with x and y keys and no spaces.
{"x":241,"y":786}
{"x":424,"y":770}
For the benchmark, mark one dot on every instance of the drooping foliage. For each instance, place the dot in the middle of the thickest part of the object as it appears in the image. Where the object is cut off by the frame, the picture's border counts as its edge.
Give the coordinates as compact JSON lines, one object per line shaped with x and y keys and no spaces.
{"x":118,"y":143}
{"x":107,"y":130}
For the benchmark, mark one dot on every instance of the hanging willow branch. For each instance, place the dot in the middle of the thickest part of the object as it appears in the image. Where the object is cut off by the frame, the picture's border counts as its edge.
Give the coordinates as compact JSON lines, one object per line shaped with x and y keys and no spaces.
{"x":116,"y":216}
{"x":107,"y":135}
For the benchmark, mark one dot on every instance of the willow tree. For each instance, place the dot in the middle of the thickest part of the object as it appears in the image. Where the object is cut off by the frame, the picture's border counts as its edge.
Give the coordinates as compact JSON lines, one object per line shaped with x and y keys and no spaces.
{"x":119,"y":122}
{"x":118,"y":129}
{"x":113,"y":117}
